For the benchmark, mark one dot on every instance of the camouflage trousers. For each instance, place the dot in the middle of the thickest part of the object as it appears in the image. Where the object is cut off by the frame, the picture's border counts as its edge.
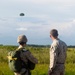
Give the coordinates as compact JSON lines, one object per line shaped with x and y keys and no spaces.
{"x":23,"y":72}
{"x":17,"y":74}
{"x":58,"y":70}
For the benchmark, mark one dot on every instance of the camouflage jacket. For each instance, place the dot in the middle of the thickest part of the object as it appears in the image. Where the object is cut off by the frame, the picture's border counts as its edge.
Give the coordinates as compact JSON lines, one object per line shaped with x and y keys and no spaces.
{"x":57,"y":53}
{"x":25,"y":56}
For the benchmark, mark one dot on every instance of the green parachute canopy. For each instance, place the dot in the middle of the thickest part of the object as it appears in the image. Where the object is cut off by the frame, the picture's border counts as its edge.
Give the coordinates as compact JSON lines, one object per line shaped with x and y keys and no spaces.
{"x":22,"y":14}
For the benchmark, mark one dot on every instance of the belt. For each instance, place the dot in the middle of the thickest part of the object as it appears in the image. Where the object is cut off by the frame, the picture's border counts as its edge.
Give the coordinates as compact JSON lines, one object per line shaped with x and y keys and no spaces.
{"x":59,"y":63}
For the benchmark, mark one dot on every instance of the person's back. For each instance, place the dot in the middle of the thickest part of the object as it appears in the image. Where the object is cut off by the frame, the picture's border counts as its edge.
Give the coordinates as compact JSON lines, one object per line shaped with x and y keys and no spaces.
{"x":62,"y":47}
{"x":26,"y":57}
{"x":57,"y":54}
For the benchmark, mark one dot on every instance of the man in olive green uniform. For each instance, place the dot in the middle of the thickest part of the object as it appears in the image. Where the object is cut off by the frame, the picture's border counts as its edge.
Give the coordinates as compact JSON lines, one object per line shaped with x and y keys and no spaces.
{"x":25,"y":56}
{"x":57,"y":54}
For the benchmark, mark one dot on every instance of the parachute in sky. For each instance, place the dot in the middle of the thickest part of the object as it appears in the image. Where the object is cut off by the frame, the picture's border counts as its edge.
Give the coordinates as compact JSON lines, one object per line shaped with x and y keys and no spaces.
{"x":22,"y":14}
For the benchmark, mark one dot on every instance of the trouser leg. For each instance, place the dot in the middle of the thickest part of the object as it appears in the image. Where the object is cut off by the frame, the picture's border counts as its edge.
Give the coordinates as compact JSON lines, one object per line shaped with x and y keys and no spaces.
{"x":62,"y":73}
{"x":54,"y":72}
{"x":17,"y":74}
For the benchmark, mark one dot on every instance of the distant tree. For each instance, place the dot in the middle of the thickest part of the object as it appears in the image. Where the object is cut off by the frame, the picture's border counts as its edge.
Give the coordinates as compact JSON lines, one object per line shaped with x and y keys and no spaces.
{"x":1,"y":44}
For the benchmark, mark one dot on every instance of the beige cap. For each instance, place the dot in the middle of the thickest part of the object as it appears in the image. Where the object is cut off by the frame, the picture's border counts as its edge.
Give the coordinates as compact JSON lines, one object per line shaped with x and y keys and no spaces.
{"x":22,"y":38}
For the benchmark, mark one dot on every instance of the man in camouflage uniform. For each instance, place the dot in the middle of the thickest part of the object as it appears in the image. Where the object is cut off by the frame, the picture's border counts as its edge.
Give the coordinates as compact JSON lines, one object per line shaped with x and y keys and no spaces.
{"x":57,"y":54}
{"x":22,"y":40}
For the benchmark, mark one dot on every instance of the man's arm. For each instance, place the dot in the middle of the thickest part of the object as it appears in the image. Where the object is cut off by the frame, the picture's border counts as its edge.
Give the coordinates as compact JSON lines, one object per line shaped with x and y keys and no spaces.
{"x":53,"y":56}
{"x":31,"y":57}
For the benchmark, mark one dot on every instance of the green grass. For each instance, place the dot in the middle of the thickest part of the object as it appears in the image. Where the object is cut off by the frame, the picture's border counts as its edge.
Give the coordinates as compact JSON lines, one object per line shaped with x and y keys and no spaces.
{"x":42,"y":54}
{"x":70,"y":69}
{"x":40,"y":69}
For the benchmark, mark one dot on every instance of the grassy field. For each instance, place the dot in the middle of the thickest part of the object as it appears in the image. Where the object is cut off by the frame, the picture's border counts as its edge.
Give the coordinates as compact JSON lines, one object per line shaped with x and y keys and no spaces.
{"x":42,"y":54}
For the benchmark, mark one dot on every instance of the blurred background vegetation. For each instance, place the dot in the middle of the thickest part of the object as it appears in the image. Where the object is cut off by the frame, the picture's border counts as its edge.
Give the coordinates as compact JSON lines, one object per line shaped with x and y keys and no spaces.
{"x":42,"y":54}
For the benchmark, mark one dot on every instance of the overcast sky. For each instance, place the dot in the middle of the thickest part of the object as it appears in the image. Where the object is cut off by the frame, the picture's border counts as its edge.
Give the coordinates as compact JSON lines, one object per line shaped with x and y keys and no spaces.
{"x":40,"y":17}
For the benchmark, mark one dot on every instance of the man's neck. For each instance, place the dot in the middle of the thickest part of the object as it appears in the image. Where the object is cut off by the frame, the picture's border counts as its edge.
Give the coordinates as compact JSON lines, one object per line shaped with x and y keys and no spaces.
{"x":54,"y":38}
{"x":21,"y":46}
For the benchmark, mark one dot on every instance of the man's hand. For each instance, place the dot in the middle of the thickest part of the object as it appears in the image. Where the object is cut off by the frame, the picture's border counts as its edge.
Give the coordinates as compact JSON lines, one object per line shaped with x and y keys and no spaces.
{"x":50,"y":71}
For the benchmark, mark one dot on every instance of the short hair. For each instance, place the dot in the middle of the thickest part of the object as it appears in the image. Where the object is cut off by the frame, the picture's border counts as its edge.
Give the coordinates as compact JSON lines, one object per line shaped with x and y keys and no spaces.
{"x":54,"y":33}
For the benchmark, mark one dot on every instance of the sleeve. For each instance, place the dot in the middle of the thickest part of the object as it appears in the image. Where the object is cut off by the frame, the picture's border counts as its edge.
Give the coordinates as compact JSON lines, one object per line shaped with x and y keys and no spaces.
{"x":53,"y":56}
{"x":31,"y":57}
